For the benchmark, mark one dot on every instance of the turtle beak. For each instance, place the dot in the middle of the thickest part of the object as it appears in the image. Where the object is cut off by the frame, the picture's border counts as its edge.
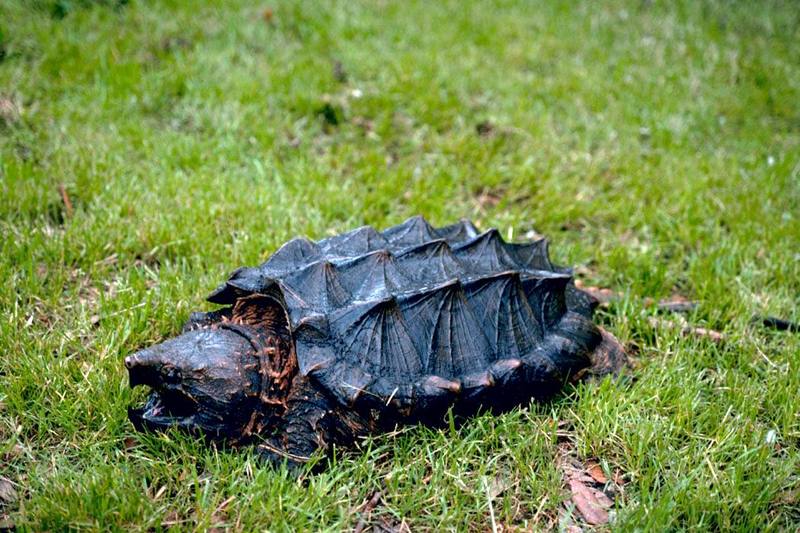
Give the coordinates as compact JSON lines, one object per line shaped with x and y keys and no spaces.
{"x":143,"y":368}
{"x":167,"y":403}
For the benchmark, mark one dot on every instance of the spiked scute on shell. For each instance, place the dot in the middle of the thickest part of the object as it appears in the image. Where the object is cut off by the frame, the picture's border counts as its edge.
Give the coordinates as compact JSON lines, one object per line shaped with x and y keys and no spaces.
{"x":372,"y":329}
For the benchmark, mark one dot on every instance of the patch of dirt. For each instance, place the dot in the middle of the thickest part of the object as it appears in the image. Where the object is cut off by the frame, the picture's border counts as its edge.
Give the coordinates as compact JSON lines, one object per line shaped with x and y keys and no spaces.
{"x":175,"y":43}
{"x":485,"y":128}
{"x":574,"y":225}
{"x":147,"y":260}
{"x":488,"y":198}
{"x":366,"y":510}
{"x":41,"y":314}
{"x":220,"y":519}
{"x":787,"y":501}
{"x":383,"y":525}
{"x":16,"y":450}
{"x":23,"y":151}
{"x":339,"y":72}
{"x":172,"y":518}
{"x":364,"y":123}
{"x":379,"y":524}
{"x":332,"y":115}
{"x":10,"y":111}
{"x":403,"y":122}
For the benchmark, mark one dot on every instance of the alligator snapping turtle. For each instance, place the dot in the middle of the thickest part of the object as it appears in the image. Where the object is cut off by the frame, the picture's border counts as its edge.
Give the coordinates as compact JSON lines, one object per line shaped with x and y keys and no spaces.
{"x":331,"y":340}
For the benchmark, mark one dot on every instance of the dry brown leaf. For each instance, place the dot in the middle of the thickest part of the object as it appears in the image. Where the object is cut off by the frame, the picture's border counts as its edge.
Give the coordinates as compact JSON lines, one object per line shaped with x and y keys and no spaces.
{"x":8,"y":494}
{"x":596,"y":471}
{"x":591,"y":503}
{"x":587,"y":485}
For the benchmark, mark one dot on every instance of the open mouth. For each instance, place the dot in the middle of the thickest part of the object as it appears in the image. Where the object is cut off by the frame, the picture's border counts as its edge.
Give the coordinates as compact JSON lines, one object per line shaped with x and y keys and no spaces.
{"x":167,"y":407}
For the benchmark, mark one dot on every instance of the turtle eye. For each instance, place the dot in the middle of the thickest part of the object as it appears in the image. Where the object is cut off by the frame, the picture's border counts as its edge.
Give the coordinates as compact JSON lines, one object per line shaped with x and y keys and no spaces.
{"x":170,"y":374}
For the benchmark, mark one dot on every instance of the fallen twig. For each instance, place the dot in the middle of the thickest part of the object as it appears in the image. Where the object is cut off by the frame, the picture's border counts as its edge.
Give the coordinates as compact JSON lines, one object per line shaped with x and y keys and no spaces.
{"x":68,"y":210}
{"x":686,"y":329}
{"x":677,"y":304}
{"x":674,"y":304}
{"x":368,"y":507}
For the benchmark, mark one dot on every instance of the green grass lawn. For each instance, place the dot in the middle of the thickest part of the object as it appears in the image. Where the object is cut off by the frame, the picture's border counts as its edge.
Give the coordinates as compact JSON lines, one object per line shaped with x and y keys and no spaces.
{"x":657,"y":145}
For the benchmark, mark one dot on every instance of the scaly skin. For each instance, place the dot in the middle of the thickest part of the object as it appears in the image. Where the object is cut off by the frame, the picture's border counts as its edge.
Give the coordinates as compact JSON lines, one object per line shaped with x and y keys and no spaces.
{"x":313,"y":423}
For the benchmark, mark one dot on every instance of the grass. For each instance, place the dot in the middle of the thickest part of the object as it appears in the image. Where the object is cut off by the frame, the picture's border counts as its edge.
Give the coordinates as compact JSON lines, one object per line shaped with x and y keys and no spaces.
{"x":657,"y":145}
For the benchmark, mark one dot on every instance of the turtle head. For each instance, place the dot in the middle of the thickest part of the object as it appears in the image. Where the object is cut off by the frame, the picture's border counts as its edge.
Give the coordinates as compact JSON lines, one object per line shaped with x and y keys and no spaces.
{"x":206,"y":379}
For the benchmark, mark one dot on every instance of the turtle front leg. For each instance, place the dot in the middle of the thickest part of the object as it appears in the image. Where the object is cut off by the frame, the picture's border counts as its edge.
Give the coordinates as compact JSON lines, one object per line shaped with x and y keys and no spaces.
{"x":312,"y":423}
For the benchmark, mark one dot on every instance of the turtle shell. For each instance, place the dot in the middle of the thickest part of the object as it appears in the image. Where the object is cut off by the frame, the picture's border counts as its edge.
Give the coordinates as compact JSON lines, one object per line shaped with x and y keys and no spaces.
{"x":413,"y":320}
